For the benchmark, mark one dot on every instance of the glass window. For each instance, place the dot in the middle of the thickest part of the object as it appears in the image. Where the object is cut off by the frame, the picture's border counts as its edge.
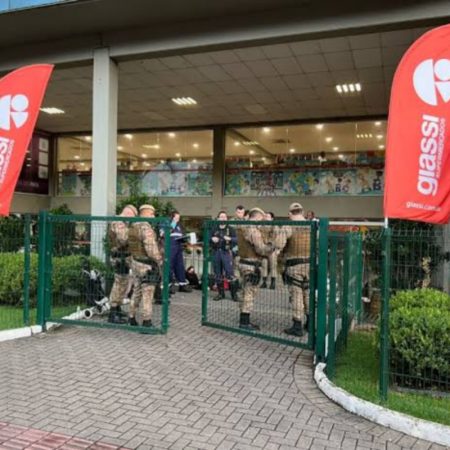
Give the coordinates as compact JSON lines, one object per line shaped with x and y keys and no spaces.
{"x":158,"y":164}
{"x":314,"y":159}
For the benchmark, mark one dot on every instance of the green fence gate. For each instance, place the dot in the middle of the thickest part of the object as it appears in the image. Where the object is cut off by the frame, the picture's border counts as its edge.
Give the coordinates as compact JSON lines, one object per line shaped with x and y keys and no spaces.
{"x":77,"y":265}
{"x":273,"y":306}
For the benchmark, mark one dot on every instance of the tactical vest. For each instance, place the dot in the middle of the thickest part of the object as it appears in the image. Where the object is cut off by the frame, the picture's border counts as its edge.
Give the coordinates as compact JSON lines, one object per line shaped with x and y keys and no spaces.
{"x":246,"y":250}
{"x":135,"y":244}
{"x":115,"y":245}
{"x":299,"y":244}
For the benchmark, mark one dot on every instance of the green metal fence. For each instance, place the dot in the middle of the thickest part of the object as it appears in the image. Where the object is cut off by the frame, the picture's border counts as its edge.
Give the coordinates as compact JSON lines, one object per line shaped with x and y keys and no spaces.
{"x":77,"y":268}
{"x":265,"y":291}
{"x":18,"y":271}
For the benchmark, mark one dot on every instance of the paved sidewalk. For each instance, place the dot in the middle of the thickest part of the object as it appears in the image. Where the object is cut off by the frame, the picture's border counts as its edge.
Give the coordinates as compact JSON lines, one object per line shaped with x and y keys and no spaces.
{"x":196,"y":388}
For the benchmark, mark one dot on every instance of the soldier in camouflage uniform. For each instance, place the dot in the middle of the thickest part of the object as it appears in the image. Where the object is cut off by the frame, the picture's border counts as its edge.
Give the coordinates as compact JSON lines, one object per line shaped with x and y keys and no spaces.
{"x":295,"y":243}
{"x":251,"y":250}
{"x":120,"y":261}
{"x":269,"y":264}
{"x":146,"y":266}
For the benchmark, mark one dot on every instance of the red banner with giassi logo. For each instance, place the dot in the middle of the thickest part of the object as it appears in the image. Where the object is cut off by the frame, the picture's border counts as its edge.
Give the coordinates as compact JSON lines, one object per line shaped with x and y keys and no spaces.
{"x":417,"y":179}
{"x":21,"y":94}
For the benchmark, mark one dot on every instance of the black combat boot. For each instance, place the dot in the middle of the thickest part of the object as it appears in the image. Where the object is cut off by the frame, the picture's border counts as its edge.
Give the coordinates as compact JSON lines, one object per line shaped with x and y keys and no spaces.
{"x":234,"y":287}
{"x":132,"y":321}
{"x":115,"y":315}
{"x":245,"y":324}
{"x":220,"y":293}
{"x":307,"y":322}
{"x":147,"y":323}
{"x":296,"y":329}
{"x":264,"y":283}
{"x":185,"y":288}
{"x":272,"y":283}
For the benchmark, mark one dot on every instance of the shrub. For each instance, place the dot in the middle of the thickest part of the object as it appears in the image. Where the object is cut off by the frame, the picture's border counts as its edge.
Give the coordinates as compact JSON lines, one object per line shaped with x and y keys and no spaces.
{"x":420,"y":338}
{"x":11,"y":234}
{"x":67,"y":274}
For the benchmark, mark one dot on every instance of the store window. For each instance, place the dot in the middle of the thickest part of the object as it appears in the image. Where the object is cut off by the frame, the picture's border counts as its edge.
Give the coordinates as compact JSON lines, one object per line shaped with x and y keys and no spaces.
{"x":167,"y":164}
{"x":323,"y":159}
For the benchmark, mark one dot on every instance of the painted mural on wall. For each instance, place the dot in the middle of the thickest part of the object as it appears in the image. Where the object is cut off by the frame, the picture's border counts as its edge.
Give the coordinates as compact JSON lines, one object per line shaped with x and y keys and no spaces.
{"x":303,"y":175}
{"x":171,"y":179}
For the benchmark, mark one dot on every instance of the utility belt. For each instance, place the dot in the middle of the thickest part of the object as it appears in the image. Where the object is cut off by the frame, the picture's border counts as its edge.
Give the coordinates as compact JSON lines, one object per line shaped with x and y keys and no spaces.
{"x":250,"y":262}
{"x":119,"y":254}
{"x":145,"y":260}
{"x":296,"y":261}
{"x":151,"y":276}
{"x":120,"y":262}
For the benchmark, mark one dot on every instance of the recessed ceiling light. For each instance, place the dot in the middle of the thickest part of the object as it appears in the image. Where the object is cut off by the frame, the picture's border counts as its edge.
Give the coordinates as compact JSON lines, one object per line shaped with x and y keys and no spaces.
{"x":292,"y":150}
{"x":364,"y":136}
{"x":128,"y":136}
{"x":381,"y":147}
{"x":377,"y":124}
{"x":82,"y":164}
{"x":177,"y":155}
{"x":119,"y":147}
{"x":348,"y":88}
{"x":52,"y":110}
{"x":249,"y":143}
{"x":237,"y":143}
{"x":144,"y":155}
{"x":266,"y":130}
{"x":195,"y":145}
{"x":328,"y":139}
{"x":379,"y":136}
{"x":88,"y":138}
{"x":335,"y":149}
{"x":319,"y":126}
{"x":153,"y":146}
{"x":172,"y":135}
{"x":76,"y":157}
{"x":252,"y":152}
{"x":184,"y":101}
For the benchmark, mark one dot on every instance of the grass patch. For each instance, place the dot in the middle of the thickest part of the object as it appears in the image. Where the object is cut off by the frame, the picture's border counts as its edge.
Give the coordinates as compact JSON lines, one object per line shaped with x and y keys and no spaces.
{"x":357,"y":372}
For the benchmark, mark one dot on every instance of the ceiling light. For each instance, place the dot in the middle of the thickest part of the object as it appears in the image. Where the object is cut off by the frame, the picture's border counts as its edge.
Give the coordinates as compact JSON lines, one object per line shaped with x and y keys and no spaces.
{"x":237,"y":143}
{"x":76,"y":157}
{"x":195,"y":145}
{"x":364,"y":136}
{"x":153,"y":146}
{"x":348,"y":88}
{"x":172,"y":135}
{"x":381,"y":147}
{"x":184,"y":101}
{"x":119,"y":147}
{"x":144,"y":155}
{"x":128,"y":136}
{"x":146,"y":163}
{"x":292,"y":150}
{"x":263,"y":158}
{"x":266,"y":130}
{"x":52,"y":110}
{"x":177,"y":155}
{"x":328,"y":139}
{"x":252,"y":152}
{"x":379,"y":136}
{"x":335,"y":149}
{"x":377,"y":124}
{"x":319,"y":126}
{"x":88,"y":138}
{"x":82,"y":164}
{"x":341,"y":156}
{"x":250,"y":143}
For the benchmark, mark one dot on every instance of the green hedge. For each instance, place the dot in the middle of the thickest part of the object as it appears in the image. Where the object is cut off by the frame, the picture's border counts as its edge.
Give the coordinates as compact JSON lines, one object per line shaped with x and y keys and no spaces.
{"x":67,"y":274}
{"x":420,"y":339}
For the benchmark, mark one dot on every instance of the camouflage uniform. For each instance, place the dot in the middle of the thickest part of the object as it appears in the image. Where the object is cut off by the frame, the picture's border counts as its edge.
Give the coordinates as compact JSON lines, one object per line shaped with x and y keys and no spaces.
{"x":145,"y":265}
{"x":296,"y":242}
{"x":269,"y":264}
{"x":251,"y":249}
{"x":120,"y":260}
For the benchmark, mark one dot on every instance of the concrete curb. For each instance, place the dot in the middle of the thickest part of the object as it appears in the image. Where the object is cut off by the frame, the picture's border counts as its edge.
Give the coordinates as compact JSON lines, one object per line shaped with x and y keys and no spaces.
{"x":17,"y":333}
{"x":419,"y":428}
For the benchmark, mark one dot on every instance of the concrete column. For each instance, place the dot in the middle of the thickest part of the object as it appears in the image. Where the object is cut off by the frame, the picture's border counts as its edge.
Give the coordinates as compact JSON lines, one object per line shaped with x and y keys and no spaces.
{"x":104,"y":139}
{"x":218,"y":175}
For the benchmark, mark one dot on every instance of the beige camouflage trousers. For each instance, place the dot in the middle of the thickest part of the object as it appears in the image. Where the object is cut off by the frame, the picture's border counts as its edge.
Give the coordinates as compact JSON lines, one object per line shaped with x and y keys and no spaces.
{"x":142,"y":292}
{"x":119,"y":290}
{"x":269,"y":266}
{"x":249,"y":290}
{"x":299,"y":296}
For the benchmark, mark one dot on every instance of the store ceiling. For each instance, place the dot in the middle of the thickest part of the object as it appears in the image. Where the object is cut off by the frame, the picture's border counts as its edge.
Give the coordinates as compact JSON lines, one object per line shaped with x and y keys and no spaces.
{"x":290,"y":81}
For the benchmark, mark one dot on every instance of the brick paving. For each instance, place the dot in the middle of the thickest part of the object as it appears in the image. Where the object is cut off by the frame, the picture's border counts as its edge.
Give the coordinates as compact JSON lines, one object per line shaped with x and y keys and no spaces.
{"x":196,"y":388}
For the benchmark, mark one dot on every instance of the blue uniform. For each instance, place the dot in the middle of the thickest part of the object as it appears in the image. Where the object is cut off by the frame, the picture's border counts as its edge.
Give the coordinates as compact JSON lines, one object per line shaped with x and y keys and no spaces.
{"x":223,"y":256}
{"x":176,"y":254}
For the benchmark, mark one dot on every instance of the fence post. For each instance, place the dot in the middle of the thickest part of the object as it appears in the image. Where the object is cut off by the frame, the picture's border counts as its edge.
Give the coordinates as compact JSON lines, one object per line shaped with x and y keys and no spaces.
{"x":26,"y":272}
{"x":205,"y":274}
{"x":384,"y":323}
{"x":42,"y":248}
{"x":322,"y":290}
{"x":346,"y":287}
{"x":312,"y":285}
{"x":331,"y":355}
{"x":166,"y":279}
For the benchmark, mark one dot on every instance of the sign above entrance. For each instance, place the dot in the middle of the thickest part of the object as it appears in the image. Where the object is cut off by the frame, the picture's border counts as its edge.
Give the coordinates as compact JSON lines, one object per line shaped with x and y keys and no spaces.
{"x":21,"y":94}
{"x":417,"y":177}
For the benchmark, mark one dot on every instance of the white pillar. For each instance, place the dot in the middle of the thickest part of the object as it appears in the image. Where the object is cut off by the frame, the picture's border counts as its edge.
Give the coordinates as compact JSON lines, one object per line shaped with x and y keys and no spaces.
{"x":446,"y":265}
{"x":104,"y":139}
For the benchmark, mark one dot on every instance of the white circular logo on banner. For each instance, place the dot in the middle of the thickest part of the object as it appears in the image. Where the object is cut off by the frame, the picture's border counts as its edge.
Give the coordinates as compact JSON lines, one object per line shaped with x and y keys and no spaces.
{"x":432,"y":81}
{"x":13,"y":108}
